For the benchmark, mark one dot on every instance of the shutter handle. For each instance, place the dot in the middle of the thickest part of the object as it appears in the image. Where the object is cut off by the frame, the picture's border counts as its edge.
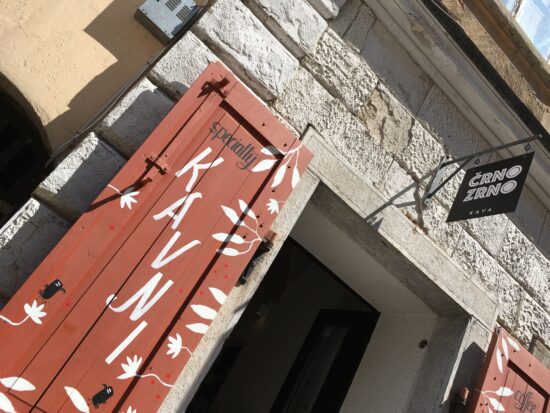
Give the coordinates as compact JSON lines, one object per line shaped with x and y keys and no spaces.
{"x":156,"y":162}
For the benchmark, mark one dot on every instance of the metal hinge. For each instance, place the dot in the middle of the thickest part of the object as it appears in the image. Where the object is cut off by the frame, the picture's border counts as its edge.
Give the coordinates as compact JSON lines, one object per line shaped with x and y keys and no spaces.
{"x":265,"y":246}
{"x":218,"y":83}
{"x":158,"y":162}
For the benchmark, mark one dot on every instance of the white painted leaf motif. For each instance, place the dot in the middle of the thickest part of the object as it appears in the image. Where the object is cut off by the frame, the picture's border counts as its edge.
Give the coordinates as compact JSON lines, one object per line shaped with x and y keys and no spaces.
{"x":270,"y":150}
{"x":513,"y":343}
{"x":17,"y":384}
{"x":245,"y":209}
{"x":496,"y":404}
{"x":232,"y":215}
{"x":199,"y":328}
{"x":203,"y":311}
{"x":504,"y":392}
{"x":279,"y":175}
{"x":219,"y":295}
{"x":78,"y":400}
{"x":231,"y":252}
{"x":5,"y":404}
{"x":220,"y":236}
{"x":489,"y":410}
{"x":505,"y":349}
{"x":264,"y":165}
{"x":295,"y":177}
{"x":499,"y":360}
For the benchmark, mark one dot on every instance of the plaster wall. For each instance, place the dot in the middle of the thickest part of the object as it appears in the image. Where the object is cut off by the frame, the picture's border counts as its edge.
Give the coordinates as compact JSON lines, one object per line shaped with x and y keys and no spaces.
{"x":68,"y":57}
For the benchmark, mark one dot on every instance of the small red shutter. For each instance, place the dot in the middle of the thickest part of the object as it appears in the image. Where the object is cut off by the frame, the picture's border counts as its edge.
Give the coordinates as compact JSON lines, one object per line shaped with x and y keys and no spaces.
{"x":111,"y":316}
{"x":512,"y":380}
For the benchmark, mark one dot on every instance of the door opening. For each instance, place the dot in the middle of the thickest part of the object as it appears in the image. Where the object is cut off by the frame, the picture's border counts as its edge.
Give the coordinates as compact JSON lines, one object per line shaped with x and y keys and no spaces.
{"x":296,"y":347}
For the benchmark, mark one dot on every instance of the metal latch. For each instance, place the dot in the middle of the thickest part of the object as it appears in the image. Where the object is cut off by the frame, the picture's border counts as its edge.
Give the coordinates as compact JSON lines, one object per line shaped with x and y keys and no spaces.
{"x":218,"y":83}
{"x":159,"y":162}
{"x":265,"y":246}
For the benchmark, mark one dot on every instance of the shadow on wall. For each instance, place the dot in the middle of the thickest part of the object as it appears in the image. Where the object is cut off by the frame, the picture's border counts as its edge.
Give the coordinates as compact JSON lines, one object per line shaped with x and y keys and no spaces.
{"x":36,"y":230}
{"x":130,"y":43}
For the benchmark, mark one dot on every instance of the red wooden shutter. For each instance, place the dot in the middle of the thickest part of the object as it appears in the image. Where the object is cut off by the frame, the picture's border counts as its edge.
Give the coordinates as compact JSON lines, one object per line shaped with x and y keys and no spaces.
{"x":512,"y":380}
{"x":111,"y":316}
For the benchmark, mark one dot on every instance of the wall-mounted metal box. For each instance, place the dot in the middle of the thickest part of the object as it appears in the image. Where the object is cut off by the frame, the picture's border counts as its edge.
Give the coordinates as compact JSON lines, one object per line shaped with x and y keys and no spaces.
{"x":165,"y":18}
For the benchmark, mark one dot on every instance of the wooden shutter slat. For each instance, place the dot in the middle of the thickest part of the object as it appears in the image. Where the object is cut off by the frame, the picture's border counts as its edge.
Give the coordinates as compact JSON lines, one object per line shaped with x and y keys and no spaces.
{"x":512,"y":379}
{"x":98,"y":232}
{"x":161,"y":312}
{"x":92,"y":306}
{"x":111,"y":249}
{"x":221,"y":277}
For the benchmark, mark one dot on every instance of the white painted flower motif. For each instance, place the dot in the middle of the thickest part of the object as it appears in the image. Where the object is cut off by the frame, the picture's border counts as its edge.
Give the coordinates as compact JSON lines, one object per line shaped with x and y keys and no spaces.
{"x":5,"y":404}
{"x":77,"y":399}
{"x":34,"y":311}
{"x":17,"y":384}
{"x":234,"y":238}
{"x":128,"y":198}
{"x":131,"y":368}
{"x":14,"y":384}
{"x":175,"y":346}
{"x":273,"y":206}
{"x":130,"y":410}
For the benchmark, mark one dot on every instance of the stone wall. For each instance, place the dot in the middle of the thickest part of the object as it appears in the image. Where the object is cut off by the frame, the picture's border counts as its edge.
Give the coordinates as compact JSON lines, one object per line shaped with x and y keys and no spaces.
{"x":382,"y":117}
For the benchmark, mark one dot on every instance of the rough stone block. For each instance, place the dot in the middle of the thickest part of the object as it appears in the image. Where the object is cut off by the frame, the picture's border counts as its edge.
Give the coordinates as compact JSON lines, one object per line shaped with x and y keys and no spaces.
{"x":529,"y":215}
{"x":362,"y":22}
{"x":134,"y":118}
{"x":341,"y":71}
{"x":526,"y":264}
{"x":24,"y":242}
{"x":447,"y":194}
{"x":440,"y":116}
{"x":488,"y":231}
{"x":532,"y":318}
{"x":181,"y":66}
{"x":387,"y":120}
{"x":247,"y":47}
{"x":401,"y":189}
{"x":544,"y":241}
{"x":294,"y":22}
{"x":327,"y":8}
{"x":391,"y":63}
{"x":345,"y":17}
{"x":444,"y":234}
{"x":496,"y":281}
{"x":80,"y":177}
{"x":422,"y":153}
{"x":305,"y":102}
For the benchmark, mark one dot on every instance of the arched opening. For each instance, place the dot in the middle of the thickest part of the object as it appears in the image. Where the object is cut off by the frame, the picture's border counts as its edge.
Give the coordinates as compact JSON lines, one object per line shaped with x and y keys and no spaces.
{"x":22,"y":156}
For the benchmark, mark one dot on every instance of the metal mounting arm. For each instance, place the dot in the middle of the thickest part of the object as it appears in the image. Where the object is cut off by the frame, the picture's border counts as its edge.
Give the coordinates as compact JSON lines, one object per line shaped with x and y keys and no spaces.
{"x":438,"y":179}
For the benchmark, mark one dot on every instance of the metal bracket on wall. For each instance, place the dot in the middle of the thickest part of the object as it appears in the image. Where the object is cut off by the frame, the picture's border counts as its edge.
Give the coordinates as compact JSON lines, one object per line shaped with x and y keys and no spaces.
{"x":438,"y":179}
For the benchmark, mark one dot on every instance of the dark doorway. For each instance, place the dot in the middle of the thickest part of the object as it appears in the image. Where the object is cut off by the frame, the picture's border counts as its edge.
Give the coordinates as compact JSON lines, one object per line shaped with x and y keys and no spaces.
{"x":296,"y":347}
{"x":22,"y":157}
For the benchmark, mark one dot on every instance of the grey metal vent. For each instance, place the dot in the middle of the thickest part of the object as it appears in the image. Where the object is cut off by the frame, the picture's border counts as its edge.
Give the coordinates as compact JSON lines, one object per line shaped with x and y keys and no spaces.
{"x":172,"y":4}
{"x":165,"y":18}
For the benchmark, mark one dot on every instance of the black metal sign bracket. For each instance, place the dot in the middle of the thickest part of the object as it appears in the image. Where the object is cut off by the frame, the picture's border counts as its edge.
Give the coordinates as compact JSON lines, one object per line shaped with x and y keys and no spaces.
{"x":438,"y":179}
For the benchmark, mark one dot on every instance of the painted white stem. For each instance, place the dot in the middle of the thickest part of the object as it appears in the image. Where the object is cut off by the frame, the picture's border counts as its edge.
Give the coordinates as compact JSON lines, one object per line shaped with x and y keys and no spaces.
{"x":114,"y":189}
{"x":187,"y":349}
{"x":7,"y":320}
{"x":156,"y":377}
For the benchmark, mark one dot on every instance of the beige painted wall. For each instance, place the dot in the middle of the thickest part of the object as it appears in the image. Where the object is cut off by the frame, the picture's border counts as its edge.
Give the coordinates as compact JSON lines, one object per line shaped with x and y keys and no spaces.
{"x":68,"y":57}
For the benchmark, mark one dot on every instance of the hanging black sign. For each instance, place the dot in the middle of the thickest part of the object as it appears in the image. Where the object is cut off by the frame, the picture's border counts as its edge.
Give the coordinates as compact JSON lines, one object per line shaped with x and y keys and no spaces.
{"x":491,"y":189}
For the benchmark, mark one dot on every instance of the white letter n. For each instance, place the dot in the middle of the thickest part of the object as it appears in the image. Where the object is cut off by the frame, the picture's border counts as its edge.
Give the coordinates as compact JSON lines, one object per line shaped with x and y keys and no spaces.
{"x":143,"y":295}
